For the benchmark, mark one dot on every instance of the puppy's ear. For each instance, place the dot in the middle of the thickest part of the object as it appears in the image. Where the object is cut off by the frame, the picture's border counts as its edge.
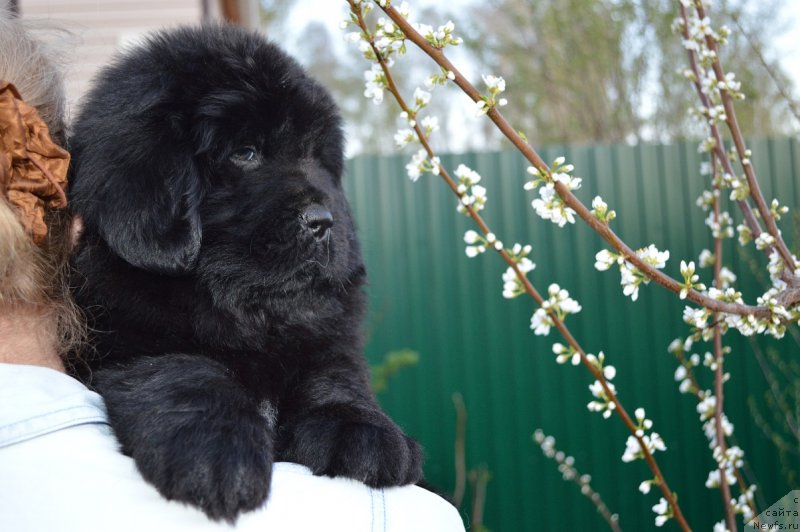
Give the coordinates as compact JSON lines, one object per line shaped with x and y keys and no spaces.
{"x":143,"y":201}
{"x":156,"y":226}
{"x":135,"y":178}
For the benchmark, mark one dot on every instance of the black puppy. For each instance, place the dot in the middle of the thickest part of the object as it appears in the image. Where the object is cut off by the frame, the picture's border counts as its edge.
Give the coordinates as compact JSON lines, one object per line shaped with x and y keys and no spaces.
{"x":220,"y":270}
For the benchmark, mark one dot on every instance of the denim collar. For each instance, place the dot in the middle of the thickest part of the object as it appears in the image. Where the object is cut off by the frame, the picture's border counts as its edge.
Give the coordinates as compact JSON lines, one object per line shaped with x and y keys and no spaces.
{"x":35,"y":401}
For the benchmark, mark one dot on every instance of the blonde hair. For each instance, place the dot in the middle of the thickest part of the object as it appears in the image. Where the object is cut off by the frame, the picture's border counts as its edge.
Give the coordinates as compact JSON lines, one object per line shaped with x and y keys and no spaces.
{"x":31,"y":276}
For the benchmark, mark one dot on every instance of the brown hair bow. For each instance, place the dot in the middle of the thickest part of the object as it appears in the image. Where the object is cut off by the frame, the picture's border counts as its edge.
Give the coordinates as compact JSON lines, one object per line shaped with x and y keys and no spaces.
{"x":33,"y":169}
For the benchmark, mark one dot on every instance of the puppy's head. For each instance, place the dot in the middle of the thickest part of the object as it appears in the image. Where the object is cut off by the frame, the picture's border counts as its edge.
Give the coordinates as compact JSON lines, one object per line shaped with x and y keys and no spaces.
{"x":209,"y":152}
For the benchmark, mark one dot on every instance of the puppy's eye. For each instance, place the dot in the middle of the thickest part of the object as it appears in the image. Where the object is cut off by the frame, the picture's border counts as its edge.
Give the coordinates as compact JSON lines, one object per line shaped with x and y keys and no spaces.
{"x":244,"y":156}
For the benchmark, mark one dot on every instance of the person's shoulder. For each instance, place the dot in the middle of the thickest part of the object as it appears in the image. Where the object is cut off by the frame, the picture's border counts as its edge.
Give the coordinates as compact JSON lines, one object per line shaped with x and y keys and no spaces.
{"x":415,"y":508}
{"x":310,"y":502}
{"x":55,"y":443}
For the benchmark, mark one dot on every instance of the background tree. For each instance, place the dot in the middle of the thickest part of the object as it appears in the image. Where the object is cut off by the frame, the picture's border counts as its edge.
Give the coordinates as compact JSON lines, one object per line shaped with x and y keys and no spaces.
{"x":616,"y":62}
{"x":756,"y":26}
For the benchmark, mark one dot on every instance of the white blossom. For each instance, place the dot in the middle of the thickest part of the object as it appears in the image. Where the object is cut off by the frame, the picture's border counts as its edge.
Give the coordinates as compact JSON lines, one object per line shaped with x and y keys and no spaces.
{"x":722,"y":227}
{"x":440,"y":37}
{"x":474,"y":251}
{"x":600,"y":210}
{"x":417,"y":165}
{"x":494,"y":83}
{"x":682,"y":376}
{"x":713,"y":480}
{"x":641,"y":419}
{"x":710,"y":429}
{"x":726,"y":277}
{"x":559,"y":303}
{"x":604,"y":259}
{"x":436,"y":166}
{"x":690,"y":279}
{"x":777,"y":267}
{"x":512,"y":285}
{"x":706,"y":200}
{"x":403,"y":137}
{"x":764,"y":240}
{"x":745,"y":234}
{"x":430,"y":124}
{"x":471,"y":237}
{"x":742,"y":504}
{"x":696,"y":317}
{"x":706,"y":259}
{"x":663,"y":511}
{"x":466,"y":175}
{"x":633,"y":449}
{"x":572,"y":183}
{"x":550,"y":206}
{"x":541,"y":322}
{"x":421,"y":98}
{"x":707,"y":407}
{"x":777,"y":210}
{"x":476,"y":198}
{"x":375,"y":83}
{"x":630,"y":276}
{"x":598,"y":204}
{"x":564,"y":353}
{"x":653,"y":256}
{"x":603,"y":403}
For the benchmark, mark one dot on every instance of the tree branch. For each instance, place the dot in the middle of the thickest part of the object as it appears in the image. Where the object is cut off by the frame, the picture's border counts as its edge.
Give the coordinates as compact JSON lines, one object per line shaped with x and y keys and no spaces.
{"x":741,"y":150}
{"x":528,"y":287}
{"x":570,"y":199}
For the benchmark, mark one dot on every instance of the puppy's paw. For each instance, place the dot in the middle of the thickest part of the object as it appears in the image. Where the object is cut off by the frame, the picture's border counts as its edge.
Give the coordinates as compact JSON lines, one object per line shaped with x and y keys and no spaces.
{"x":377,"y":454}
{"x":221,"y":468}
{"x":192,"y":432}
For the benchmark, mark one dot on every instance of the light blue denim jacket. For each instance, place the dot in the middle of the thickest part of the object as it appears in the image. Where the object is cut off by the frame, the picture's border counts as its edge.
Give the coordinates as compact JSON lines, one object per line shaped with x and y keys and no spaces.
{"x":49,"y":404}
{"x":61,"y":470}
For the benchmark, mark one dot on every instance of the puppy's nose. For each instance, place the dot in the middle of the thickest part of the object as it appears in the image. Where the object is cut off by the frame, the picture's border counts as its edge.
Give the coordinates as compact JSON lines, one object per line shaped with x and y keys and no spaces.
{"x":318,"y":220}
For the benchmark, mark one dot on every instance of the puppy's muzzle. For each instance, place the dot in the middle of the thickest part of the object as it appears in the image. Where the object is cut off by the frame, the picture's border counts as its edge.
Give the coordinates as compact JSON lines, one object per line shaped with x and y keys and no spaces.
{"x":318,"y":220}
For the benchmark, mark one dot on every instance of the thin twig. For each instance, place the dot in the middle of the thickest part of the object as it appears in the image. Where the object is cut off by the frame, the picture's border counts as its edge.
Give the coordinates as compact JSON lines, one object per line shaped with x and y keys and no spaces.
{"x":721,"y":156}
{"x":791,"y":103}
{"x":741,"y":150}
{"x":725,"y":489}
{"x":569,"y":472}
{"x":719,"y":144}
{"x":698,"y":393}
{"x":460,"y":450}
{"x":479,"y":478}
{"x":774,"y":389}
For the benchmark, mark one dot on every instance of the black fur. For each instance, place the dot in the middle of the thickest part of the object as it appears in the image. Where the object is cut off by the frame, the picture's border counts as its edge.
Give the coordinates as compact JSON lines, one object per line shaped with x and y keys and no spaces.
{"x":228,"y":324}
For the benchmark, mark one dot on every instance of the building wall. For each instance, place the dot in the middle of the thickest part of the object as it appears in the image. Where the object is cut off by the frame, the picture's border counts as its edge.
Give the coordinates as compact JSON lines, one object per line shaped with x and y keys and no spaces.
{"x":102,"y":27}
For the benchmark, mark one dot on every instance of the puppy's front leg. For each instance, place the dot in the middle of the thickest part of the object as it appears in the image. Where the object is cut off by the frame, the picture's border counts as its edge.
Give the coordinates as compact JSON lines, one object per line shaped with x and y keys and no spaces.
{"x":194,"y":433}
{"x":332,"y":424}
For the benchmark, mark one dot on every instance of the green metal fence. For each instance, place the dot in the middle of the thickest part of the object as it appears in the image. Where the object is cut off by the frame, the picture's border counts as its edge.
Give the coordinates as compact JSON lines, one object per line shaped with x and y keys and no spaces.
{"x":426,"y":295}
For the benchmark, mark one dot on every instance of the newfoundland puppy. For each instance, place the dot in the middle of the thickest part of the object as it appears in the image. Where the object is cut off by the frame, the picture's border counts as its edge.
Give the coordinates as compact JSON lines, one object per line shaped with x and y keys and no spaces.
{"x":221,"y":273}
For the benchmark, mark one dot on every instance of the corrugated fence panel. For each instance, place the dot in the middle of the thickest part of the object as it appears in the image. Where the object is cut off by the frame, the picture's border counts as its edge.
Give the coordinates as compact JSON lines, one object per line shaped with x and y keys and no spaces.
{"x":426,"y":295}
